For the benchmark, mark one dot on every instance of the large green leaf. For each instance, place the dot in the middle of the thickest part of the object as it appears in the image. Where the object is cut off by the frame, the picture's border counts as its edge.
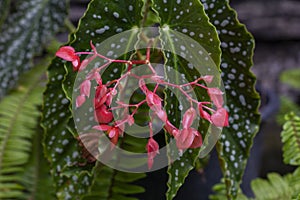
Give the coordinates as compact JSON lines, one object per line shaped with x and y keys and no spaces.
{"x":188,"y":18}
{"x":60,"y":146}
{"x":23,"y":35}
{"x":101,"y":20}
{"x":19,"y":116}
{"x":242,"y":100}
{"x":291,"y":139}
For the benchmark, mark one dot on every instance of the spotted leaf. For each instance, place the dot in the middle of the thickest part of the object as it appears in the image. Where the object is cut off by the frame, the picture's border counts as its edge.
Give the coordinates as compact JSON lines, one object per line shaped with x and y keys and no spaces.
{"x":60,"y":145}
{"x":242,"y":100}
{"x":23,"y":34}
{"x":191,"y":49}
{"x":101,"y":20}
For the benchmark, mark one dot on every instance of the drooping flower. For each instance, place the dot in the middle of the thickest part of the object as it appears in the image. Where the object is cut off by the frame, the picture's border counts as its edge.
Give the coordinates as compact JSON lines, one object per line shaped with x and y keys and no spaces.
{"x":68,"y":53}
{"x":188,"y":118}
{"x":85,"y":88}
{"x":220,"y":118}
{"x":103,"y":115}
{"x":153,"y":100}
{"x":80,"y":100}
{"x":216,"y":95}
{"x":197,"y":141}
{"x":170,"y":128}
{"x":113,"y":132}
{"x":203,"y":114}
{"x":152,"y":150}
{"x":185,"y":138}
{"x":100,"y":96}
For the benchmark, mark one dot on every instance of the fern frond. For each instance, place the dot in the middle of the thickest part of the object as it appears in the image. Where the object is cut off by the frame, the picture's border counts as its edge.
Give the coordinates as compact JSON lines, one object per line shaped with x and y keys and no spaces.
{"x":18,"y":121}
{"x":291,"y":140}
{"x":294,"y":182}
{"x":273,"y":188}
{"x":36,"y":177}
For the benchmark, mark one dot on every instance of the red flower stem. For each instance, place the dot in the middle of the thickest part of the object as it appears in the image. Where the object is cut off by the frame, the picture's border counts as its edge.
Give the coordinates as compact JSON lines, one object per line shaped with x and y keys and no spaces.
{"x":181,"y":90}
{"x":210,"y":109}
{"x":151,"y":68}
{"x":156,"y":86}
{"x":137,"y":106}
{"x":138,"y":62}
{"x":204,"y":87}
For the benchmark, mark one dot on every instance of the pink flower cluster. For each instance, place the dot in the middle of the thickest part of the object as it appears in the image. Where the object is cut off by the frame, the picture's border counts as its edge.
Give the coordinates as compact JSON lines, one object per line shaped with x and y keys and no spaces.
{"x":186,"y":137}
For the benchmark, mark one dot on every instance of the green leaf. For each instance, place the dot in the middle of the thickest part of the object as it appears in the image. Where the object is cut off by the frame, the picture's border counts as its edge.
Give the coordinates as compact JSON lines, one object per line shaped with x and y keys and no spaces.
{"x":242,"y":100}
{"x":18,"y":122}
{"x":23,"y":35}
{"x":294,"y":182}
{"x":290,"y":137}
{"x":273,"y":188}
{"x":101,"y":20}
{"x":291,"y":77}
{"x":188,"y":18}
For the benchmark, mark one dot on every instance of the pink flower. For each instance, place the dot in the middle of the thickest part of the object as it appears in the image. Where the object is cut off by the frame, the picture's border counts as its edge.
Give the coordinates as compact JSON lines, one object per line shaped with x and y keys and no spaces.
{"x":188,"y":118}
{"x":220,"y":118}
{"x":100,"y":96}
{"x":170,"y":128}
{"x":103,"y":115}
{"x":208,"y":78}
{"x":216,"y":95}
{"x":197,"y":141}
{"x":85,"y":88}
{"x":185,"y":138}
{"x":113,"y":132}
{"x":80,"y":100}
{"x":68,"y":53}
{"x":152,"y":150}
{"x":94,"y":74}
{"x":203,"y":114}
{"x":153,"y":100}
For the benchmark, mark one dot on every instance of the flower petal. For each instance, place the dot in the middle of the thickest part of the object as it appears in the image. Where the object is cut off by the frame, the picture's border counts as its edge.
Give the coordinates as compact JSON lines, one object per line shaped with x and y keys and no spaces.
{"x":216,"y":95}
{"x":188,"y":118}
{"x":220,"y":118}
{"x":80,"y":100}
{"x":67,"y":53}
